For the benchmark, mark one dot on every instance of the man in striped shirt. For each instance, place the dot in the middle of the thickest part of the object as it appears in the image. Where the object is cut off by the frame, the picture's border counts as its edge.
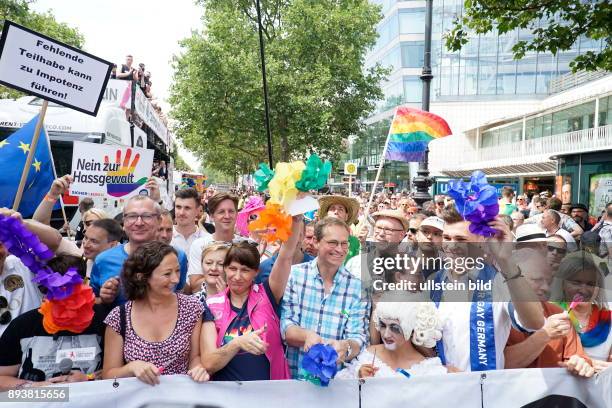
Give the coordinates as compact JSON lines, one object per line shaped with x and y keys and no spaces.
{"x":323,"y":302}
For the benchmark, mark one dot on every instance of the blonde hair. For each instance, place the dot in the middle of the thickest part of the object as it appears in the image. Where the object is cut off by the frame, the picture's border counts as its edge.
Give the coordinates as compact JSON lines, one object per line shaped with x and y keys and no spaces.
{"x":96,"y":212}
{"x":214,"y":247}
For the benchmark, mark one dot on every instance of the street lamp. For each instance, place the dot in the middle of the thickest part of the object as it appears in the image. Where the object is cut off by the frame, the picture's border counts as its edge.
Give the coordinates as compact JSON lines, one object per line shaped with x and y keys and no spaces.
{"x":422,"y":181}
{"x":265,"y":83}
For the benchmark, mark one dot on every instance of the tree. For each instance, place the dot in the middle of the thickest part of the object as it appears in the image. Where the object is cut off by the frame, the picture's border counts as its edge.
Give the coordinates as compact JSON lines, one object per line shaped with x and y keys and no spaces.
{"x":556,"y":25}
{"x":18,"y":11}
{"x":317,"y":85}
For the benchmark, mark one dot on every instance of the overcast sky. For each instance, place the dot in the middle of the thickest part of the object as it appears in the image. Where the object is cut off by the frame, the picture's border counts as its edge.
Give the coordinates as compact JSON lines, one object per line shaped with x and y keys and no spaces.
{"x":148,"y":30}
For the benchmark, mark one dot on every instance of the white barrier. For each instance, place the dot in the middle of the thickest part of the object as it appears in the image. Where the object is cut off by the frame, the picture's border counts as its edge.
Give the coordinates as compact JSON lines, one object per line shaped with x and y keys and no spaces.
{"x":504,"y":388}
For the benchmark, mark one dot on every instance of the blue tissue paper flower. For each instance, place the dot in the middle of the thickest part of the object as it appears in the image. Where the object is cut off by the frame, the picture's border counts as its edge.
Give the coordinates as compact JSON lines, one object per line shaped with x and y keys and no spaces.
{"x":319,"y":362}
{"x":476,"y":201}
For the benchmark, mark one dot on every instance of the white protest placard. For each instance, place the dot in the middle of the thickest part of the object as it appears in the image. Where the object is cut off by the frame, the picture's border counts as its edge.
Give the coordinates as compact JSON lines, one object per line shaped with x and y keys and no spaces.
{"x":38,"y":65}
{"x":109,"y":171}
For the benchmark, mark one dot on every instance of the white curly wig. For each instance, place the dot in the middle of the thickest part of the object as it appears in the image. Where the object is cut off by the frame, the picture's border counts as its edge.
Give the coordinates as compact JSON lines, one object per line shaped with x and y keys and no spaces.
{"x":419,"y":320}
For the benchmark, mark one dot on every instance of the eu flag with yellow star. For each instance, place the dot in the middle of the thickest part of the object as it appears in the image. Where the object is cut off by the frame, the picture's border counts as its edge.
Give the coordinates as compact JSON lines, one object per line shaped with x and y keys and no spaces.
{"x":13,"y":153}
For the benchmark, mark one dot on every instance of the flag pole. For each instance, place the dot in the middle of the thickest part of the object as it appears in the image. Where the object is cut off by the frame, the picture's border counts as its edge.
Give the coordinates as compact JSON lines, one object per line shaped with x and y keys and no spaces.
{"x":28,"y":163}
{"x":380,"y":166}
{"x":61,"y":200}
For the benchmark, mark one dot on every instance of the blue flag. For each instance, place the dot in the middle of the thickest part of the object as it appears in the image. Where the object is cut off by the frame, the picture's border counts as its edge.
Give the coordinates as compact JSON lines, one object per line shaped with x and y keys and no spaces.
{"x":13,"y":154}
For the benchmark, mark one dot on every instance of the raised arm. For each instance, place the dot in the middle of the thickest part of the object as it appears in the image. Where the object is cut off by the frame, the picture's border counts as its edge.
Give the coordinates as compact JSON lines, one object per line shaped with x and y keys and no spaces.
{"x":282,"y":267}
{"x":45,"y":208}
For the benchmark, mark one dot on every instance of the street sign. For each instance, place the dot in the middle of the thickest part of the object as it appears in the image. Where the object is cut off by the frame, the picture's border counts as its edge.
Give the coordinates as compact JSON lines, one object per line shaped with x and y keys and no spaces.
{"x":350,"y":169}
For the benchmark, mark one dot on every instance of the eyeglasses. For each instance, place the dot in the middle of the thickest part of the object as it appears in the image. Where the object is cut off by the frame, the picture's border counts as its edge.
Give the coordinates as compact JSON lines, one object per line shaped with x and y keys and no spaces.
{"x":235,"y":241}
{"x":413,"y":230}
{"x":557,"y":250}
{"x":386,"y":231}
{"x":334,"y":244}
{"x":146,"y":217}
{"x":440,"y":203}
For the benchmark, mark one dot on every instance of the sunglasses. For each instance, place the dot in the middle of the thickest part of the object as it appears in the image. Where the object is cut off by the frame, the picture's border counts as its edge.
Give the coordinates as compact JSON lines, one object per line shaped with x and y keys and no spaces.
{"x":253,"y":217}
{"x":557,"y":250}
{"x":413,"y":230}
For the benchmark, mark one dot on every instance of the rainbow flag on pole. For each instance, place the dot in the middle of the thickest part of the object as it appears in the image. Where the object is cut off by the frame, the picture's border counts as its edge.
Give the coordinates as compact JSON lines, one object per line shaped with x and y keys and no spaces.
{"x":411,"y":131}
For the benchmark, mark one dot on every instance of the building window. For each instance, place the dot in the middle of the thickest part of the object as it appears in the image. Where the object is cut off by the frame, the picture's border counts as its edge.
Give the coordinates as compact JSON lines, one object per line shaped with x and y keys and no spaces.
{"x":605,"y":111}
{"x":412,"y":54}
{"x":412,"y":21}
{"x":413,"y":90}
{"x":572,"y":119}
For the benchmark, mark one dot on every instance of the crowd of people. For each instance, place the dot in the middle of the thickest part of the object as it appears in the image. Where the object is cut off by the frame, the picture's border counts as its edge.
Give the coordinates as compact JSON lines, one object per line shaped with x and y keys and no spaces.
{"x":195,"y":291}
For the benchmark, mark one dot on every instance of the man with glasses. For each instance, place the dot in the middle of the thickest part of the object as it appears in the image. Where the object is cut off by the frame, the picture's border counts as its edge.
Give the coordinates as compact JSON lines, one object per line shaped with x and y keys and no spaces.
{"x":429,"y":243}
{"x":323,"y":302}
{"x":141,"y":221}
{"x":389,"y":230}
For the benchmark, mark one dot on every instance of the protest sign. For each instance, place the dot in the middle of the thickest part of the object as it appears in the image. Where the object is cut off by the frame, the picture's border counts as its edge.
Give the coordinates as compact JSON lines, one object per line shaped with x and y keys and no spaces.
{"x":109,"y":171}
{"x":41,"y":66}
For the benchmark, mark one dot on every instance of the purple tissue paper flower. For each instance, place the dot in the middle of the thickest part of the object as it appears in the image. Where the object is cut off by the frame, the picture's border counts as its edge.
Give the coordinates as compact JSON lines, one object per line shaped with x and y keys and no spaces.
{"x":476,"y":201}
{"x":59,"y":286}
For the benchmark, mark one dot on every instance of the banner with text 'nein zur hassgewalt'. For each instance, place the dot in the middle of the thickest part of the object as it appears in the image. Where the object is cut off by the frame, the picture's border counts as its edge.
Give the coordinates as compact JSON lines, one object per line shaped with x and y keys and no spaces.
{"x":38,"y":65}
{"x":109,"y":171}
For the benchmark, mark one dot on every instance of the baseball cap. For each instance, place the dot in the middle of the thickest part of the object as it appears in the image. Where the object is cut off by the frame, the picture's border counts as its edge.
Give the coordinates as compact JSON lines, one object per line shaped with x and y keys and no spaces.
{"x":434,"y":222}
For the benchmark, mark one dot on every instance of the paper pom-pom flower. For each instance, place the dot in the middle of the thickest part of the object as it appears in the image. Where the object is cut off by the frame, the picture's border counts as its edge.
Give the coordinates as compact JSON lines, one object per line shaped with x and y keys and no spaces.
{"x":476,"y":201}
{"x":282,"y":186}
{"x":59,"y":286}
{"x":319,"y":364}
{"x":262,"y":177}
{"x":73,"y":313}
{"x":253,"y":206}
{"x":274,"y":221}
{"x":315,"y":174}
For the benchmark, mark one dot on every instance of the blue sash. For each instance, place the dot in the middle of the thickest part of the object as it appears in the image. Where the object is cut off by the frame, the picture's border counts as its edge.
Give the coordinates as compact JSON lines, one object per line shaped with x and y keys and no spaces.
{"x":482,"y":325}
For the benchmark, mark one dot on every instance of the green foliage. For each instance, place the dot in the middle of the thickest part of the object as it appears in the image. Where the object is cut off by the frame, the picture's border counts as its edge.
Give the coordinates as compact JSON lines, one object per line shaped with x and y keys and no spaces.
{"x":18,"y":11}
{"x":556,"y":25}
{"x":317,"y":86}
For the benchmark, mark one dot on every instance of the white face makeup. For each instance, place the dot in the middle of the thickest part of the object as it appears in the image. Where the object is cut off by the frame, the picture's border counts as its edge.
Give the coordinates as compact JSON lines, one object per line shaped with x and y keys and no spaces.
{"x":391,"y":333}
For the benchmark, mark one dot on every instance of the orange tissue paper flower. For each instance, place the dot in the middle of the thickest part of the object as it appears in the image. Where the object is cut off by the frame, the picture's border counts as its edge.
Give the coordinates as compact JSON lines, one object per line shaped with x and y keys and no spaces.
{"x":73,"y":313}
{"x":273,"y":220}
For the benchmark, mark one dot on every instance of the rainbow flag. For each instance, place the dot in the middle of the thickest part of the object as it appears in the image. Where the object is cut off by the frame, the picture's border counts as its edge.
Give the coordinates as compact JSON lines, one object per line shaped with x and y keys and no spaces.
{"x":411,"y":131}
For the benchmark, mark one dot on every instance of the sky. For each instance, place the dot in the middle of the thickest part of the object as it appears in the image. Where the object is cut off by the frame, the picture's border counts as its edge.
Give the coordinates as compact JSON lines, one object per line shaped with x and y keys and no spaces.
{"x":148,"y":30}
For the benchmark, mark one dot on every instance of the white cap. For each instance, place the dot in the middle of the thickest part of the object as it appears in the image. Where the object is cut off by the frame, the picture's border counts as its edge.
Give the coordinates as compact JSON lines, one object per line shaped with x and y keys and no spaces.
{"x":435,"y":222}
{"x":530,"y":233}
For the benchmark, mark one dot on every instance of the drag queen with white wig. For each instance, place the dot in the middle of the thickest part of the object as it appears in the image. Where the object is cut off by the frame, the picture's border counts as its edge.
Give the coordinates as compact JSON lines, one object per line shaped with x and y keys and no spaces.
{"x":402,"y":326}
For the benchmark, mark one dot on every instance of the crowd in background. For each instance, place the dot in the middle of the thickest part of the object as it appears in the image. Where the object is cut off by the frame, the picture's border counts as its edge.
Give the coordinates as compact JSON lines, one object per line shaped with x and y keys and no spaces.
{"x":195,"y":291}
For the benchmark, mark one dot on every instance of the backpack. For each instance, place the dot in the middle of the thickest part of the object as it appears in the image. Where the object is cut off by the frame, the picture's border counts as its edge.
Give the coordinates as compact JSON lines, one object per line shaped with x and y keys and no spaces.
{"x":590,"y":241}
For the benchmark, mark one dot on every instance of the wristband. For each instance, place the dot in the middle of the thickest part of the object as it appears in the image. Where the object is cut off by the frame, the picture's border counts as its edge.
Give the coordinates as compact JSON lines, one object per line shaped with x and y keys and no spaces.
{"x":50,"y":199}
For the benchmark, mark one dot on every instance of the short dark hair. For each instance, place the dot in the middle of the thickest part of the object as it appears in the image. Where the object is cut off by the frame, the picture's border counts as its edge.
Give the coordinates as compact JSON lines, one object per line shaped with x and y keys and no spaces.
{"x":186,"y":193}
{"x":218,"y":198}
{"x":329,"y":222}
{"x":113,"y":228}
{"x":450,"y":215}
{"x":554,"y":214}
{"x":244,"y":253}
{"x":86,"y":204}
{"x":554,"y":203}
{"x":507,"y":191}
{"x":143,"y":261}
{"x":62,"y":263}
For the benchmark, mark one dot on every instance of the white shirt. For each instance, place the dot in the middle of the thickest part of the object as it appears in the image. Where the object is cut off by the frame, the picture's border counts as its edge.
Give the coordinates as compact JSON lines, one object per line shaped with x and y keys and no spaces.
{"x":571,"y":242}
{"x":17,"y":287}
{"x":195,"y":253}
{"x":455,"y":317}
{"x":183,"y":243}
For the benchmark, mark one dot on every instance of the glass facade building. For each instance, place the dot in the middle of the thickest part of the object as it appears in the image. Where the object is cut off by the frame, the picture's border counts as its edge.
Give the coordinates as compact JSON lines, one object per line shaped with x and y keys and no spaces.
{"x":484,"y":69}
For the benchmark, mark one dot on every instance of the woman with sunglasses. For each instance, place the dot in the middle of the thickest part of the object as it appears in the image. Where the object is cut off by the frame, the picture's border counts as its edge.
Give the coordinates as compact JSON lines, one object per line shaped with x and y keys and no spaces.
{"x":241,"y":338}
{"x":579,"y":288}
{"x":403,"y":326}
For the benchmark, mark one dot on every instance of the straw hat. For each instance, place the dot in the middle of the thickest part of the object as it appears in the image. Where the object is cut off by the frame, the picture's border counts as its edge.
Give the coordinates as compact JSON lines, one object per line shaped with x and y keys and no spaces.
{"x":351,"y":205}
{"x":395,"y":214}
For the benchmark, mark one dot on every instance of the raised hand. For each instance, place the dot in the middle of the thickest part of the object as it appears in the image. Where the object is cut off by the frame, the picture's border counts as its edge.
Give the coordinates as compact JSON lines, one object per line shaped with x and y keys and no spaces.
{"x":125,"y":168}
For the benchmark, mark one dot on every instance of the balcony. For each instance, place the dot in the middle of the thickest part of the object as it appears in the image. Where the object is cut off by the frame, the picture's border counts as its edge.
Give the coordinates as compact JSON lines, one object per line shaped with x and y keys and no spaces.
{"x":458,"y":158}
